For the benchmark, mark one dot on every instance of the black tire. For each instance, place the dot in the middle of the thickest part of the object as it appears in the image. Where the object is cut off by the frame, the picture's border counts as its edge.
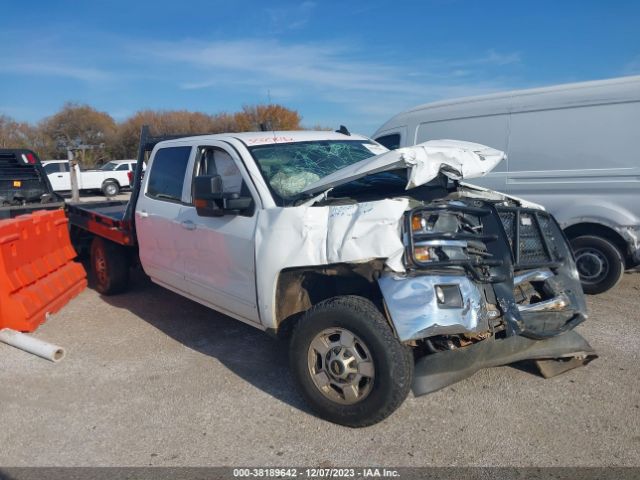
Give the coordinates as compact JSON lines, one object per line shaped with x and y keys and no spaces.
{"x":110,"y":188}
{"x":392,"y":361}
{"x":600,"y":263}
{"x":109,"y":266}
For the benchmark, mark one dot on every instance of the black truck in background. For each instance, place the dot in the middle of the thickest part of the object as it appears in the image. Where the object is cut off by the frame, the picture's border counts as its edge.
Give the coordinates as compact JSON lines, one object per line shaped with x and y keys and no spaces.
{"x":24,"y":186}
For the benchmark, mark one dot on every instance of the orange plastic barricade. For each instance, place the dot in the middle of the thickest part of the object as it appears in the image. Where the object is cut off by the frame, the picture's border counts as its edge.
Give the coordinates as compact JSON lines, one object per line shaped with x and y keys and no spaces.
{"x":37,"y":271}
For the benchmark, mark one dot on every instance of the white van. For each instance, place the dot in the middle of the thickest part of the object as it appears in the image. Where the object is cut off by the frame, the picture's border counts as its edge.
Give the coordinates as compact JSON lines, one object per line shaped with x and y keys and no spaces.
{"x":572,"y":148}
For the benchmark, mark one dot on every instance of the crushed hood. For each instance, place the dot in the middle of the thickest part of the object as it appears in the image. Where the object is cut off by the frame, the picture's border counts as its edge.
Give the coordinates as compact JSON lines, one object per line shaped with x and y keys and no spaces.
{"x":456,"y":159}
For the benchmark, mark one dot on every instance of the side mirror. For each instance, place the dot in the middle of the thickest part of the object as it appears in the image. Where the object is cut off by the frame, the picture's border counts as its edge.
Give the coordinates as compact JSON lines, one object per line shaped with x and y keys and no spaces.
{"x":210,"y":200}
{"x":207,"y":189}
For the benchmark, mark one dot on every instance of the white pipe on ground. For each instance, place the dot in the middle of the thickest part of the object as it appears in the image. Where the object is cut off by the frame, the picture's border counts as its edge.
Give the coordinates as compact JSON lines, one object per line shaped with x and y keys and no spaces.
{"x":32,"y":345}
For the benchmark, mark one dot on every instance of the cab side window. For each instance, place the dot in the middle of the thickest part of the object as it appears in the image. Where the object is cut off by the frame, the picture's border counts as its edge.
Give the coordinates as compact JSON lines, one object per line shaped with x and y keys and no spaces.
{"x":52,"y":168}
{"x":167,"y":173}
{"x":214,"y":161}
{"x":122,"y":167}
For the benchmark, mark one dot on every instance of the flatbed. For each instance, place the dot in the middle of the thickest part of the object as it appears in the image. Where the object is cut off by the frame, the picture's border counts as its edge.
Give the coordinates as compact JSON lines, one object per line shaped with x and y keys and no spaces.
{"x":106,"y":219}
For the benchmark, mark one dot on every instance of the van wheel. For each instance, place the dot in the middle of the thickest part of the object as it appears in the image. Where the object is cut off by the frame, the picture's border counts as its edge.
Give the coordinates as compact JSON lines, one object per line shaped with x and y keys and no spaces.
{"x":110,"y":189}
{"x":600,"y":263}
{"x":109,"y":266}
{"x":348,"y":365}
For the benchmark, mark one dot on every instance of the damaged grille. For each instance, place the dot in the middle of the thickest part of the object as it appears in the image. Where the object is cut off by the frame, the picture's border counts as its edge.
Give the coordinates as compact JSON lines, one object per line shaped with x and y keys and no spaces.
{"x":531,"y":237}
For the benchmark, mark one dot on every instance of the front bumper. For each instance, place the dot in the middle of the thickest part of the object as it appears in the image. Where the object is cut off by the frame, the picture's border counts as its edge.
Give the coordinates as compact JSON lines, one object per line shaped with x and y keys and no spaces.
{"x":416,"y":313}
{"x":541,"y":331}
{"x":439,"y":370}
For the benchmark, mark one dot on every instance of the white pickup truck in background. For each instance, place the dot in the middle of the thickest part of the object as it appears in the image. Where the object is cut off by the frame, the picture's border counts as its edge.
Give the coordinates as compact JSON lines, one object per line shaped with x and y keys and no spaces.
{"x":109,"y":179}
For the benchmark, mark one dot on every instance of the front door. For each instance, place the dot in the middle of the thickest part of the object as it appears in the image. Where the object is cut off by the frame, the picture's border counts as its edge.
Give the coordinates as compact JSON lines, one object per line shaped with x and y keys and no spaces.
{"x":218,"y":252}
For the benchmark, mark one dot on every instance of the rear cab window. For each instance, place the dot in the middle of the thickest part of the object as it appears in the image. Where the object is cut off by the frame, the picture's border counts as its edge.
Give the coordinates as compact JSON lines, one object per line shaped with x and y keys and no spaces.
{"x":168,"y":170}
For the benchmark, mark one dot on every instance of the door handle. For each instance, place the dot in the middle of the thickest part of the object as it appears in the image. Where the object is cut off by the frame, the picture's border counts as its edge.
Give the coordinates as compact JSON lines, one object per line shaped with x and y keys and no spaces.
{"x":188,"y":225}
{"x":143,"y":213}
{"x":59,"y":176}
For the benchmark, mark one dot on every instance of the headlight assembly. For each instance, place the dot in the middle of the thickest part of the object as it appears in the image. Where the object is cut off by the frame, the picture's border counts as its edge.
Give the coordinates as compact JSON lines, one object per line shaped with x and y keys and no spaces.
{"x":445,"y":236}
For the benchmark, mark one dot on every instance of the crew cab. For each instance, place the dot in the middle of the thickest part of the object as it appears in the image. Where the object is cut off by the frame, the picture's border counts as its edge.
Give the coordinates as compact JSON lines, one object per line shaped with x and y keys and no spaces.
{"x":109,"y":179}
{"x":383,"y":268}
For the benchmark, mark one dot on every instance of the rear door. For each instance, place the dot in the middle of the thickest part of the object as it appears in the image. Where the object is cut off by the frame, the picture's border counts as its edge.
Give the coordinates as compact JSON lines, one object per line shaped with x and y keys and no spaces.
{"x":218,"y":252}
{"x":158,"y":217}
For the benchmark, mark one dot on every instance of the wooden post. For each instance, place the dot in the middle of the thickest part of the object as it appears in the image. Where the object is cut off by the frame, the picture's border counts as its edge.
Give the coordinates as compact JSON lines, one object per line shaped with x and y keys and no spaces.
{"x":75,"y":192}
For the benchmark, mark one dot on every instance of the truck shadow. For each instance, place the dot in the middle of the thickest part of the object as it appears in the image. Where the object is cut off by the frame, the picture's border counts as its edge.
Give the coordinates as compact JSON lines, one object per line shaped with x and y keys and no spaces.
{"x":249,"y":353}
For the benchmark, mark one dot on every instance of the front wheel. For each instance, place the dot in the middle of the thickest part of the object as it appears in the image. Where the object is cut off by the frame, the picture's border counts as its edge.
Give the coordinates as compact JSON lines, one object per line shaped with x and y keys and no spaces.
{"x":348,"y":365}
{"x":599,"y":262}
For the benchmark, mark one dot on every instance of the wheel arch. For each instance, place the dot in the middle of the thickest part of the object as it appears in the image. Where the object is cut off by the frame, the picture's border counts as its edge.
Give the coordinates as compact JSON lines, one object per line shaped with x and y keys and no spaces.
{"x":599,"y":230}
{"x":300,"y":288}
{"x":110,"y":180}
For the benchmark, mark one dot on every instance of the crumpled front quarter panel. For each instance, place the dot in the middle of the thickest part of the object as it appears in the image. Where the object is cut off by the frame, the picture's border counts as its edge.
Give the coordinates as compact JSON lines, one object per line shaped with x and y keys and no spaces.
{"x":316,"y":236}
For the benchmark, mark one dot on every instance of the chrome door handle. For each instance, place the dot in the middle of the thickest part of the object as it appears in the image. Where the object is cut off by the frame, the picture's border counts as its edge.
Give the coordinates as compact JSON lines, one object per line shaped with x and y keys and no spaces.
{"x":188,"y":225}
{"x":143,"y":214}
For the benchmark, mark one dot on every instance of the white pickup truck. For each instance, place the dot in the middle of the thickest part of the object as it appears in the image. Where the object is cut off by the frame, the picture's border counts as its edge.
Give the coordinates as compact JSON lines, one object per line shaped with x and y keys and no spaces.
{"x":109,"y":179}
{"x":384,"y":269}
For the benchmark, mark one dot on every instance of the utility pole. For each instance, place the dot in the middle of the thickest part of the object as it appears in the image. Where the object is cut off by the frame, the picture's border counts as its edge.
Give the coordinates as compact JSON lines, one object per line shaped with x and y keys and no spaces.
{"x":75,"y":192}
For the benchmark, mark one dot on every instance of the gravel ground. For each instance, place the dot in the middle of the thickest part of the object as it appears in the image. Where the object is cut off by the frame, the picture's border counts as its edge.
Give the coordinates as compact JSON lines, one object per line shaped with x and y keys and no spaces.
{"x":151,"y":378}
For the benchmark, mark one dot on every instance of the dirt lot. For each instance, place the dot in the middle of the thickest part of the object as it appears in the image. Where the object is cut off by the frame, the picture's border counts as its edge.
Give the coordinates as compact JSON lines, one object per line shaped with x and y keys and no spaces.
{"x":155,"y":379}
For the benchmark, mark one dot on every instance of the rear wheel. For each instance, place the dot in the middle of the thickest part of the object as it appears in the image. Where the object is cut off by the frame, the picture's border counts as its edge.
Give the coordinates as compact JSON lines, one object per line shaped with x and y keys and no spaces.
{"x":110,"y":189}
{"x":349,"y":366}
{"x":109,"y":266}
{"x":599,"y":262}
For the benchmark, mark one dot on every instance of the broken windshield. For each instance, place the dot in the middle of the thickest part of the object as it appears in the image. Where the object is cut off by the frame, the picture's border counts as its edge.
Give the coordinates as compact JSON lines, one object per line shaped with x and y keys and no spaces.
{"x":288,"y":168}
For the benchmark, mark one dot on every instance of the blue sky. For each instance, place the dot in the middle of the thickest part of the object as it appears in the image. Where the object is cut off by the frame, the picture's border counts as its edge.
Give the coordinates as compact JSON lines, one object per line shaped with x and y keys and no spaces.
{"x":352,"y":63}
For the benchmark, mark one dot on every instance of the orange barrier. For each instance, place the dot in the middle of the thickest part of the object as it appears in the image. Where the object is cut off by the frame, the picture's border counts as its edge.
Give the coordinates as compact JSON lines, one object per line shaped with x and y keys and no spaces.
{"x":37,"y":274}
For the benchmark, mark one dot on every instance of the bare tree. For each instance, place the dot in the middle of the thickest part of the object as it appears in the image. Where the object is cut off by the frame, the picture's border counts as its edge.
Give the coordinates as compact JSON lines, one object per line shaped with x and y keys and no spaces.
{"x":269,"y":117}
{"x":80,"y":128}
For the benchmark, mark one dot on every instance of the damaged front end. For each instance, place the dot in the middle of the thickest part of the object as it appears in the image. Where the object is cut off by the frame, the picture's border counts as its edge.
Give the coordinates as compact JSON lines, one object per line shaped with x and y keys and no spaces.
{"x":487,"y":283}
